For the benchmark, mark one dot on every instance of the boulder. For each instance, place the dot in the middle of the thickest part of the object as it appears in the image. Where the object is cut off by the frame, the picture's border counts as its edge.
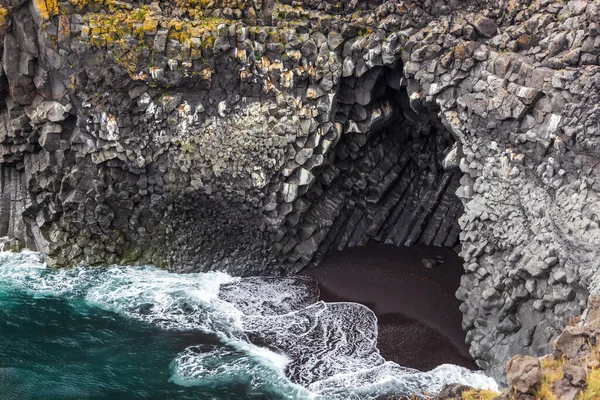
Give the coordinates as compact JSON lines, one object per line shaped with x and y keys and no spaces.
{"x":451,"y":392}
{"x":524,"y":373}
{"x":52,"y":111}
{"x":565,"y":391}
{"x":572,"y":342}
{"x":485,"y":27}
{"x":575,"y":374}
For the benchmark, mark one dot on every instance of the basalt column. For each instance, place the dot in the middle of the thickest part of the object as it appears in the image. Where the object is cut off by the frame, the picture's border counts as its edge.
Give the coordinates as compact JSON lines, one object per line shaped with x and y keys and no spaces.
{"x":391,"y":179}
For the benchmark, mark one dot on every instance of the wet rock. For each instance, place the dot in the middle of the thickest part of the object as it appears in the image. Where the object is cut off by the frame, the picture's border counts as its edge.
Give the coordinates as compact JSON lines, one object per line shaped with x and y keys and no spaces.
{"x":429,"y":263}
{"x":451,"y":392}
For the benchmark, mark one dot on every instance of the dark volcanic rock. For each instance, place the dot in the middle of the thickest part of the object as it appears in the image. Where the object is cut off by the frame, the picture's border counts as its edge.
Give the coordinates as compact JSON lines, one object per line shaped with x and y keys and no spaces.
{"x":451,"y":392}
{"x":559,"y":375}
{"x":253,"y":137}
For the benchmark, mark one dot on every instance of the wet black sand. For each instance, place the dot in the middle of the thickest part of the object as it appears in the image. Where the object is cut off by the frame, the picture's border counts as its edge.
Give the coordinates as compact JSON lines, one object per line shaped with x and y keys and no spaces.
{"x":419,"y":320}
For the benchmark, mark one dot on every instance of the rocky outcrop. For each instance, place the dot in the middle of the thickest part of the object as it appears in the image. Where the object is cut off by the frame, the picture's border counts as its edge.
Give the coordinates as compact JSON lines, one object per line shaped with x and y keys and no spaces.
{"x":254,"y":136}
{"x":571,"y":372}
{"x":239,"y":135}
{"x":524,"y":373}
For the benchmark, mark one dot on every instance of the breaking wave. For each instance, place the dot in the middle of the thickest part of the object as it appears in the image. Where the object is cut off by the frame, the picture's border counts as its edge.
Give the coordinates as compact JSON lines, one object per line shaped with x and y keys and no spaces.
{"x":274,"y":332}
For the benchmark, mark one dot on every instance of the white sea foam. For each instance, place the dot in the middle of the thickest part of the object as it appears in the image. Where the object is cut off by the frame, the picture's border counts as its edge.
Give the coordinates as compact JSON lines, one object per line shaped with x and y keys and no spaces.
{"x":276,"y":333}
{"x":390,"y":377}
{"x":228,"y":366}
{"x":170,"y":301}
{"x":271,"y":296}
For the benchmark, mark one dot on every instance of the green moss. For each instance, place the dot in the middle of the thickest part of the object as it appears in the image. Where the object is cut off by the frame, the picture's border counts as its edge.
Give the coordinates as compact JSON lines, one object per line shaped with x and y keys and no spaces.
{"x":187,"y":147}
{"x":131,"y":255}
{"x":140,"y":13}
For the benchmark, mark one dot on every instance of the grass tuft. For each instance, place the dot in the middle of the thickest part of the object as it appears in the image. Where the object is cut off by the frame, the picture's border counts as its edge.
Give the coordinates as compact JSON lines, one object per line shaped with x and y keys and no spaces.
{"x":473,"y":394}
{"x":592,"y":391}
{"x":552,"y":370}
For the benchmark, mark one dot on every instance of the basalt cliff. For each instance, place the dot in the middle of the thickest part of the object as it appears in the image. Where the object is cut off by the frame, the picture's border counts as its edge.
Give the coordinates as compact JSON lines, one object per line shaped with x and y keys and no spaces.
{"x":253,"y":136}
{"x":571,"y":372}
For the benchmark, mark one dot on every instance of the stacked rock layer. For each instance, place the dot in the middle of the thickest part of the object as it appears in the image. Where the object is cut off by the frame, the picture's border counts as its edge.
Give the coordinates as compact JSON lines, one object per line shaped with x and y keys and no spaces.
{"x":255,"y":136}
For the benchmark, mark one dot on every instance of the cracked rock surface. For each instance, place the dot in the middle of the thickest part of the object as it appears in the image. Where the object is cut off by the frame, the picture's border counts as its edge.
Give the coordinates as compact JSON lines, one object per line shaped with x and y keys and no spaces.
{"x":253,"y":136}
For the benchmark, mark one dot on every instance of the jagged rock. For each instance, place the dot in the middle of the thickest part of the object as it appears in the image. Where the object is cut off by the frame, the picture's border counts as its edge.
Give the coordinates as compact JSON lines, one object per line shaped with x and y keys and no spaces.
{"x":572,"y":342}
{"x":524,"y":373}
{"x":429,"y":263}
{"x":485,"y":27}
{"x":564,"y":377}
{"x":564,"y":390}
{"x":451,"y":392}
{"x":51,"y":111}
{"x":575,"y":374}
{"x":50,"y":136}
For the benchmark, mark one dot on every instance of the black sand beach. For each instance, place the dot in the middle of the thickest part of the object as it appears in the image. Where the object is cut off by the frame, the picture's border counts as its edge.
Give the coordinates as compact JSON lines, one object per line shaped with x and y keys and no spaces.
{"x":419,"y":319}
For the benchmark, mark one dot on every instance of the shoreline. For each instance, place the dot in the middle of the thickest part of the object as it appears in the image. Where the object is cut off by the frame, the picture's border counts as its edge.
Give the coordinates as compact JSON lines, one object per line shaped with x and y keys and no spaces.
{"x":419,"y":322}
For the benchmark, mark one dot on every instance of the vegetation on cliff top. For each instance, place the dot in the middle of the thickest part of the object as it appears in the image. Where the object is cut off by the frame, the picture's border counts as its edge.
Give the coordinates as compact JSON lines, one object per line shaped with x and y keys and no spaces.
{"x":479,"y":395}
{"x":553,"y":371}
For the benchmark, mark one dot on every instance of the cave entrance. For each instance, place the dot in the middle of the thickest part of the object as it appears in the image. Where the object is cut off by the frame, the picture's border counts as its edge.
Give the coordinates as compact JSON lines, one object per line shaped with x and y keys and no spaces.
{"x":390,"y":179}
{"x":394,"y":244}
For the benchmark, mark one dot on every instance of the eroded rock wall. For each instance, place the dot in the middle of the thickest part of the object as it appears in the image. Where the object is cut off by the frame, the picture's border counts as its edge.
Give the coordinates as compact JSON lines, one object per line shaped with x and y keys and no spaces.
{"x":253,"y":136}
{"x":192,"y":136}
{"x":526,"y":118}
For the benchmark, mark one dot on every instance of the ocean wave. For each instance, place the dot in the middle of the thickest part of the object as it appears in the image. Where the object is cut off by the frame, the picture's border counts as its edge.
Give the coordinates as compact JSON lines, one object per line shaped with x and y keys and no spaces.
{"x":276,"y":334}
{"x":247,"y":365}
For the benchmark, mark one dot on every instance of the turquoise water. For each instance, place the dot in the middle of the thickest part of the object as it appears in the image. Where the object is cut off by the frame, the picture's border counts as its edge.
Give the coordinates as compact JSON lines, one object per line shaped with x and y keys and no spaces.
{"x":51,"y":348}
{"x":143,"y":333}
{"x":57,"y":349}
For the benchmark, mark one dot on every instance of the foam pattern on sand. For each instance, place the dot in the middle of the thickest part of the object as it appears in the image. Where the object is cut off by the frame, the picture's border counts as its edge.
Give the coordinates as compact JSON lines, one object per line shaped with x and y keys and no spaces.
{"x":274,"y":331}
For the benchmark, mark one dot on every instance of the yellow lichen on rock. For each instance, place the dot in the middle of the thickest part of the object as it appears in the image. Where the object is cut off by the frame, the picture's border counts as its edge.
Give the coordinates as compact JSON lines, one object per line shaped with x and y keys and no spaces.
{"x":45,"y":9}
{"x":80,"y":4}
{"x":113,"y":28}
{"x":64,"y":28}
{"x":4,"y":20}
{"x":150,"y":25}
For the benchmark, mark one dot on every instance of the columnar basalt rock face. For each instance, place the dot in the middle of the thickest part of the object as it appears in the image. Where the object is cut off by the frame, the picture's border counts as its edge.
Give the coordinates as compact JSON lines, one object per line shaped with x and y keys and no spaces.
{"x":254,"y":136}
